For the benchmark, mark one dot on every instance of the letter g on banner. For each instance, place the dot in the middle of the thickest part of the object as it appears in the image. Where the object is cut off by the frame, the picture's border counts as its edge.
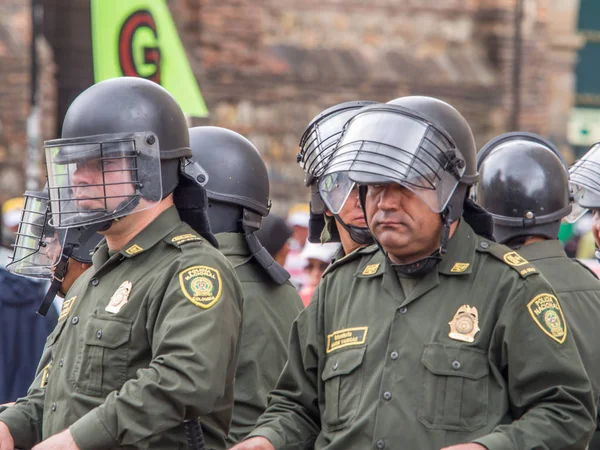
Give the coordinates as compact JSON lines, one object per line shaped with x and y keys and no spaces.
{"x":138,"y":33}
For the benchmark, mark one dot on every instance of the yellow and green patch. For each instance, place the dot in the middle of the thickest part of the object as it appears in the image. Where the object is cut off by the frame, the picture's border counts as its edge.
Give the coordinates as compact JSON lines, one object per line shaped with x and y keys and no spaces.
{"x":201,"y":285}
{"x":346,"y":338}
{"x":548,"y":315}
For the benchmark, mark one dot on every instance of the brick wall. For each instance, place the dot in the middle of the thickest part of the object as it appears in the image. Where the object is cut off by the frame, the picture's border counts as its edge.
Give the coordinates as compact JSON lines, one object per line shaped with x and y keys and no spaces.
{"x":266,"y":67}
{"x":15,"y":60}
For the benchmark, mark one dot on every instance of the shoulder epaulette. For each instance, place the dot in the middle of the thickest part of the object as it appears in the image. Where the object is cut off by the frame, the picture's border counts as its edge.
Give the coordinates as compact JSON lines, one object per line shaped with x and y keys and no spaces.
{"x":355,"y":255}
{"x":178,"y":240}
{"x":509,"y":257}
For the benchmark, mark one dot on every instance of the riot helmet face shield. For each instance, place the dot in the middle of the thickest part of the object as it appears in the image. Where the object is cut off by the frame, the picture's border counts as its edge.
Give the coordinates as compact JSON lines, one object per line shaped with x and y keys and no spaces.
{"x":584,"y":184}
{"x":322,"y":135}
{"x":335,"y":188}
{"x":100,"y":178}
{"x":38,"y":245}
{"x":386,"y":144}
{"x":584,"y":200}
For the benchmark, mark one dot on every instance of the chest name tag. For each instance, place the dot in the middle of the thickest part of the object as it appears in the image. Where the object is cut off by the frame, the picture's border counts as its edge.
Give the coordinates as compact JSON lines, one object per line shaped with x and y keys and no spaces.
{"x":346,"y":338}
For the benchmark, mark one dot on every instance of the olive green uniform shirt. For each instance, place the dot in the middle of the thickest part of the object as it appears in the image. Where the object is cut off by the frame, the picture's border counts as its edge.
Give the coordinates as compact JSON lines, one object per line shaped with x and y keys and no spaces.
{"x":578,"y":290}
{"x":146,"y":339}
{"x":269,"y":311}
{"x":371,"y":368}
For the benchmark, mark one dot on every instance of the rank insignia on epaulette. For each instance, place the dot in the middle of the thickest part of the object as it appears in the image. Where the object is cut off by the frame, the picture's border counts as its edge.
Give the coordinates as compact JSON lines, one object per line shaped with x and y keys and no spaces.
{"x":459,"y":267}
{"x":371,"y":269}
{"x":514,"y":259}
{"x":45,"y":375}
{"x":465,"y":324}
{"x":183,"y":238}
{"x":134,"y":249}
{"x":547,"y":314}
{"x":66,"y":307}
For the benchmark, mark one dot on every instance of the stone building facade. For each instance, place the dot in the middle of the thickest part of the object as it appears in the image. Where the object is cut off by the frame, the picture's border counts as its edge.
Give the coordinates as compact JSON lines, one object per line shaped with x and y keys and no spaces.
{"x":266,"y":67}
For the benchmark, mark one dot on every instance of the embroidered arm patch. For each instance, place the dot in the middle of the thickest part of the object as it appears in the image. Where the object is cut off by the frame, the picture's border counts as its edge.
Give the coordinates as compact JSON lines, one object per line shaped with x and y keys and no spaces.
{"x":201,"y":285}
{"x":548,"y":315}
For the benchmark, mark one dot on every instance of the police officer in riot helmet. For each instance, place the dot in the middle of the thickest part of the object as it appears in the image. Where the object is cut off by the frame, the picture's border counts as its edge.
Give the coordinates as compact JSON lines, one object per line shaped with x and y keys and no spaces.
{"x":148,"y":334}
{"x":44,"y":252}
{"x":585,"y":188}
{"x":237,"y":188}
{"x":524,"y":185}
{"x":335,"y":214}
{"x":410,"y":344}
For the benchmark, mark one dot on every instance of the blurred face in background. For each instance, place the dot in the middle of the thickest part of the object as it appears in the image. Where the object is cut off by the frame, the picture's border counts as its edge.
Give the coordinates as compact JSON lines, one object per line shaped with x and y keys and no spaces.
{"x":282,"y":254}
{"x":300,"y":234}
{"x":314,"y":270}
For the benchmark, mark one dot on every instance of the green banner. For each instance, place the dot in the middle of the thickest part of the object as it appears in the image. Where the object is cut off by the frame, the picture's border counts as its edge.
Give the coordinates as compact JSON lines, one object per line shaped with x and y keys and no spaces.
{"x":139,"y":38}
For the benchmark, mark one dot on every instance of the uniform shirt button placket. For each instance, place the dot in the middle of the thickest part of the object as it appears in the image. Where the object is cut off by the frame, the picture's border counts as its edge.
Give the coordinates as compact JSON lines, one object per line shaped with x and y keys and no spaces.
{"x":380,"y":444}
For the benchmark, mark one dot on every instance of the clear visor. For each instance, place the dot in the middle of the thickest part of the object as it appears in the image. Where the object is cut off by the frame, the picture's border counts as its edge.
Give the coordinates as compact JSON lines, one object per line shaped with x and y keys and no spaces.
{"x":335,"y":189}
{"x":38,"y":245}
{"x":382,"y":146}
{"x":584,"y":200}
{"x":319,"y":141}
{"x":101,"y":178}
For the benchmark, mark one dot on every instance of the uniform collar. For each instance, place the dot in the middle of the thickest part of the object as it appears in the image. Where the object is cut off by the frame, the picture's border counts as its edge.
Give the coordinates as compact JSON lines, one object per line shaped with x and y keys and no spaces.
{"x":232,"y":244}
{"x":340,"y":258}
{"x":461,"y":251}
{"x":542,"y":250}
{"x":160,"y":227}
{"x":457,"y":261}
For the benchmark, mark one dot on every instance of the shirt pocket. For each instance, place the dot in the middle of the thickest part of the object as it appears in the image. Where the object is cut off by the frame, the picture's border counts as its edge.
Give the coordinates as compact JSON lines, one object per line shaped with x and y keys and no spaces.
{"x":343,"y":382}
{"x":454,"y":391}
{"x":104,"y":356}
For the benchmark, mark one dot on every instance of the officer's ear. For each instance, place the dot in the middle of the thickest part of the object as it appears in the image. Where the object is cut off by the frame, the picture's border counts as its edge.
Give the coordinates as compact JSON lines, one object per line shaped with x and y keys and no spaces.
{"x":328,"y":213}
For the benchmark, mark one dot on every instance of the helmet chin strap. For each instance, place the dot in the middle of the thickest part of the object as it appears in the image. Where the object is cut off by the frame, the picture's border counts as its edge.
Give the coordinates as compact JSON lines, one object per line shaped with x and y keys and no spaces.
{"x":61,"y":269}
{"x":360,"y":235}
{"x":424,"y":265}
{"x":251,"y":222}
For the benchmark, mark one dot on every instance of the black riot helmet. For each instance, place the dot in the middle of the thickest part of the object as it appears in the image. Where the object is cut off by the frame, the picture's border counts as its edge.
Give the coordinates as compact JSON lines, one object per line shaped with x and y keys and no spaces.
{"x":421,"y":143}
{"x":457,"y":127}
{"x":119,"y":152}
{"x":316,"y":148}
{"x":524,"y":185}
{"x":237,"y":187}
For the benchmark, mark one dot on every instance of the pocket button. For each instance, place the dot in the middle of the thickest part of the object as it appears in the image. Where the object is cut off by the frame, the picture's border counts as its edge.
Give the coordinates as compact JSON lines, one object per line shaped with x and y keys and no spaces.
{"x":456,"y":365}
